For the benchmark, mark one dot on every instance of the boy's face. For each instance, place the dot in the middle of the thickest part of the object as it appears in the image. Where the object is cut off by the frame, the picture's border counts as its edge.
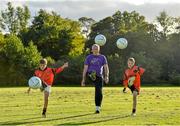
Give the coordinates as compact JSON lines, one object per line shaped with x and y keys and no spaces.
{"x":130,"y":64}
{"x":42,"y":66}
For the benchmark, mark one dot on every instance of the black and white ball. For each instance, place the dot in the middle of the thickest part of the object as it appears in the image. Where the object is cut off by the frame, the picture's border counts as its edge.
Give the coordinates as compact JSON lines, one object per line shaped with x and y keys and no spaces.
{"x":35,"y":82}
{"x":100,"y":40}
{"x":122,"y":43}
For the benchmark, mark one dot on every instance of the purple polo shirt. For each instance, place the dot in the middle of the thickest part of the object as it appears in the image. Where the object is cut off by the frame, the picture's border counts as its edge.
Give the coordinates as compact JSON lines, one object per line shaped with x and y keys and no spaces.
{"x":95,"y":63}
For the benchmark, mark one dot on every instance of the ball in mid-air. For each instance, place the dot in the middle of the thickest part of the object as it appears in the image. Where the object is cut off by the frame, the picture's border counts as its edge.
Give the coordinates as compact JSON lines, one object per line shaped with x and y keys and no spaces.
{"x":100,"y":40}
{"x":35,"y":82}
{"x":122,"y":43}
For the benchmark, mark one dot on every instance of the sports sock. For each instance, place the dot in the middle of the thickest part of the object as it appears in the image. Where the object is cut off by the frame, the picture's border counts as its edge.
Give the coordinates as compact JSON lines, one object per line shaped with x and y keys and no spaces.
{"x":44,"y":110}
{"x":134,"y":111}
{"x":98,"y":108}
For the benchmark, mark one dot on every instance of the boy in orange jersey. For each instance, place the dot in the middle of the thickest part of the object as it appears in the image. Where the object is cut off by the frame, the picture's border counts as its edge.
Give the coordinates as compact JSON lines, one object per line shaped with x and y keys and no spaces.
{"x":132,"y":80}
{"x":46,"y":75}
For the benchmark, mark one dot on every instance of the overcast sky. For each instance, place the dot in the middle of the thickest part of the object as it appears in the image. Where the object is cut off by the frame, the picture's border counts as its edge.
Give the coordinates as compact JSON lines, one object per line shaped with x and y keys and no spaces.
{"x":99,"y":9}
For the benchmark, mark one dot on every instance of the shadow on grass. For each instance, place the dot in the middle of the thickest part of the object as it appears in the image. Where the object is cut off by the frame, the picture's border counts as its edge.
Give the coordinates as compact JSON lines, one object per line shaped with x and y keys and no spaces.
{"x":99,"y":121}
{"x":43,"y":120}
{"x":19,"y":120}
{"x":17,"y":115}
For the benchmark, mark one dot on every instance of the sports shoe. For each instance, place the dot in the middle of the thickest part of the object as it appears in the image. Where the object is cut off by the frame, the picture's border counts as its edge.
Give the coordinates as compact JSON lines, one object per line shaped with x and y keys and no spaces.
{"x":133,"y":114}
{"x":43,"y":115}
{"x":97,"y":112}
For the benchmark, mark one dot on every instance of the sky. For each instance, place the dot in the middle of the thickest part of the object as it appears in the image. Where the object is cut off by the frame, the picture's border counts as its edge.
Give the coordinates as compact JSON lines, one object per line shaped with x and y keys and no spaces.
{"x":99,"y":9}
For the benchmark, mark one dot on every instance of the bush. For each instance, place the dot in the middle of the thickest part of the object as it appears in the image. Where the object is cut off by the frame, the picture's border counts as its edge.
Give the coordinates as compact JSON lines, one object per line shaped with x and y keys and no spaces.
{"x":175,"y":80}
{"x":116,"y":68}
{"x":17,"y":61}
{"x":152,"y":67}
{"x":72,"y":74}
{"x":10,"y":75}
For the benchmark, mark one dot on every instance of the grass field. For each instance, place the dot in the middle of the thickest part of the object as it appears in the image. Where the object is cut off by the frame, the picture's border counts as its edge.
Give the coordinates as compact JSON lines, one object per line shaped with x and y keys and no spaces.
{"x":75,"y":106}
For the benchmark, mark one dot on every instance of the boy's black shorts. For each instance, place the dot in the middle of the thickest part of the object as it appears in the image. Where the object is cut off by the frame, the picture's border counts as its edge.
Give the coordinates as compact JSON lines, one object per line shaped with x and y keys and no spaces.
{"x":43,"y":86}
{"x":132,"y":88}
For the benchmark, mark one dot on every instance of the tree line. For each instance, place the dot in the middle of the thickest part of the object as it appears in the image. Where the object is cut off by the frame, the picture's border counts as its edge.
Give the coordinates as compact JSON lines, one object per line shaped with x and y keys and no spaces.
{"x":24,"y":40}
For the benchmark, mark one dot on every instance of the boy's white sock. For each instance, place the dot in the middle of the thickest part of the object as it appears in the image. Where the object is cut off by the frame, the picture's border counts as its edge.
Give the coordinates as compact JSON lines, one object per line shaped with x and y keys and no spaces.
{"x":98,"y":108}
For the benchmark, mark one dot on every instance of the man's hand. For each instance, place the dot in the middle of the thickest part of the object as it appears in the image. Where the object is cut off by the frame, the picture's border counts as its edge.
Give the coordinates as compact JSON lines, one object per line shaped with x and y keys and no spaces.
{"x":106,"y":79}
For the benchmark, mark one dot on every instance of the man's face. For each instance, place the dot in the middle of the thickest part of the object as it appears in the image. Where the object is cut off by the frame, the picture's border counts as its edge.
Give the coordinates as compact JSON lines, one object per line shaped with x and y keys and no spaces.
{"x":42,"y":66}
{"x":130,"y":64}
{"x":95,"y":49}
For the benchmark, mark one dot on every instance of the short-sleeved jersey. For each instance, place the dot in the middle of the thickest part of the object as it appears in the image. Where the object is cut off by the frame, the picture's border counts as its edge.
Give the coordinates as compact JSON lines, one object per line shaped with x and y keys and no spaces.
{"x":95,"y":63}
{"x":47,"y":75}
{"x":135,"y":72}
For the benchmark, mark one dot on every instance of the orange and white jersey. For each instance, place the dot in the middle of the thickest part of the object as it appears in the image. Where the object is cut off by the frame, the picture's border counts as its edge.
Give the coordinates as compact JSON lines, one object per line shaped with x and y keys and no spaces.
{"x":47,"y":75}
{"x":133,"y":77}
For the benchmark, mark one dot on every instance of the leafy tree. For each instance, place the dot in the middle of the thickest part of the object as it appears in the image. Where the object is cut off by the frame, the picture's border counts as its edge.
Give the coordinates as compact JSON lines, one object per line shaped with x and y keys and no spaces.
{"x":23,"y":15}
{"x":153,"y":68}
{"x":31,"y":57}
{"x":11,"y":54}
{"x":18,"y":60}
{"x":128,"y":22}
{"x":14,"y":19}
{"x":117,"y":66}
{"x":165,"y":23}
{"x":116,"y":26}
{"x":73,"y":74}
{"x":2,"y":42}
{"x":13,"y":49}
{"x":86,"y":24}
{"x":55,"y":36}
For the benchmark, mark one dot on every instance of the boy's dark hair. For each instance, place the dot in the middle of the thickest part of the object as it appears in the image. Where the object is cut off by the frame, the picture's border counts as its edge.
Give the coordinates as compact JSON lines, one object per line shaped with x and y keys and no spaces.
{"x":43,"y":61}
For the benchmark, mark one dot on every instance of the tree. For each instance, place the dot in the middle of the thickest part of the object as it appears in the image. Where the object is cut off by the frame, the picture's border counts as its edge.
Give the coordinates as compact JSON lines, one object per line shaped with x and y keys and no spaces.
{"x":118,"y":25}
{"x":23,"y":15}
{"x":11,"y":54}
{"x":86,"y":24}
{"x":55,"y":36}
{"x":14,"y":19}
{"x":128,"y":22}
{"x":30,"y":58}
{"x":13,"y":49}
{"x":165,"y":23}
{"x":18,"y":61}
{"x":153,"y":67}
{"x":2,"y":42}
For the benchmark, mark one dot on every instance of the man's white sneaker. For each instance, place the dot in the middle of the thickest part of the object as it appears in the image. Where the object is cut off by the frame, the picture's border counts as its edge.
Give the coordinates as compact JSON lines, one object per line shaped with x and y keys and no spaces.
{"x":133,"y":114}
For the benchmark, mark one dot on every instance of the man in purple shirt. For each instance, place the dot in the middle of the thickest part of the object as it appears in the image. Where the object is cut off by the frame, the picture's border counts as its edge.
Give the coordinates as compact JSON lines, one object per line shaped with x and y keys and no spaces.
{"x":94,"y":65}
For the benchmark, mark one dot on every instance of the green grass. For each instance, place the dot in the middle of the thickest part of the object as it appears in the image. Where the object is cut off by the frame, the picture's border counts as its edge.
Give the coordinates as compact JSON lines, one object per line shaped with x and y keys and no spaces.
{"x":75,"y":106}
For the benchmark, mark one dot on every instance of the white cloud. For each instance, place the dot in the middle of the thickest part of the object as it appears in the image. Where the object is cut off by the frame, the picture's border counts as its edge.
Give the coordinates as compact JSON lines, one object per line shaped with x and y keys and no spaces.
{"x":99,"y":9}
{"x":140,"y":2}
